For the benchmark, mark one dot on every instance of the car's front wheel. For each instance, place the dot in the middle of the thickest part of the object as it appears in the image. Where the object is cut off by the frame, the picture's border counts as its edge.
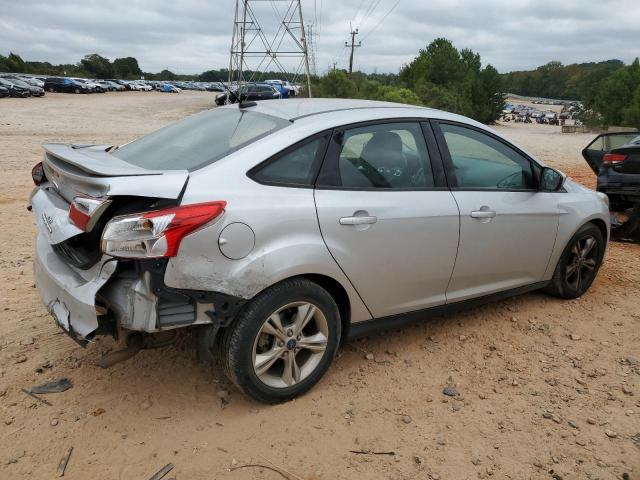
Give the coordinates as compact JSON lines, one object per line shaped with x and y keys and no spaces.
{"x":579,"y":263}
{"x":283,"y":341}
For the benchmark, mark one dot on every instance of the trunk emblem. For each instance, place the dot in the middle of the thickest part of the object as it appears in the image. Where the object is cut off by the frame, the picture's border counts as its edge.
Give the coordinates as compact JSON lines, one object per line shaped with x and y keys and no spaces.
{"x":48,"y":222}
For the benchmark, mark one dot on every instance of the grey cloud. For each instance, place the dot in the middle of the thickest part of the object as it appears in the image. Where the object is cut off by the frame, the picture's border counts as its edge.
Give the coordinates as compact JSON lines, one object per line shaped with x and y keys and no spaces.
{"x":194,"y":35}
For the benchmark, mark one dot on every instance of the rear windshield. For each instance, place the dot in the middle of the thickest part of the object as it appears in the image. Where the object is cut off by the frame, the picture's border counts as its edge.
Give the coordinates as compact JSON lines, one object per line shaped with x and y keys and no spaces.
{"x":199,"y":140}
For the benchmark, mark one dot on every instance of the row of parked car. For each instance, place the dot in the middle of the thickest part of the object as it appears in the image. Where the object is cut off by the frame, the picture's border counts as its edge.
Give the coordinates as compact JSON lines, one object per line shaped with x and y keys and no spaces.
{"x":20,"y":86}
{"x":83,"y":85}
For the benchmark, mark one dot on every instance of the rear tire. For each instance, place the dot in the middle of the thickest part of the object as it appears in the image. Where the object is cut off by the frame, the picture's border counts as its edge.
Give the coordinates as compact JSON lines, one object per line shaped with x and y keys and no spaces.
{"x":282,"y":342}
{"x":579,"y":264}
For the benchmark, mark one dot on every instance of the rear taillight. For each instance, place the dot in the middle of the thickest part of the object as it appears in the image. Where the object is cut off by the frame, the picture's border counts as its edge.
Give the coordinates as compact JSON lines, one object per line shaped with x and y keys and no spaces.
{"x":613,"y":158}
{"x":37,"y":174}
{"x":158,"y":233}
{"x":84,"y":212}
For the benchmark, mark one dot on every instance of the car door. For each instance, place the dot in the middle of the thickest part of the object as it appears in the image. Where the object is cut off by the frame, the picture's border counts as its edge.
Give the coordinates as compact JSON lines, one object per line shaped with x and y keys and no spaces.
{"x":508,"y":227}
{"x":387,"y":217}
{"x":603,"y":144}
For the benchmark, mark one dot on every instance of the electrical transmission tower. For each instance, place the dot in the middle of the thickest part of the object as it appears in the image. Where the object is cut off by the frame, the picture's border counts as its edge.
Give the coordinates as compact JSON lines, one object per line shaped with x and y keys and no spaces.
{"x":255,"y":50}
{"x":353,"y":46}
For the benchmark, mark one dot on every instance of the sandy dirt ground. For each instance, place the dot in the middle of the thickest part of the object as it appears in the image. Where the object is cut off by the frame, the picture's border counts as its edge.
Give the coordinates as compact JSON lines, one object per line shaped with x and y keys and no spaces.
{"x":546,"y":389}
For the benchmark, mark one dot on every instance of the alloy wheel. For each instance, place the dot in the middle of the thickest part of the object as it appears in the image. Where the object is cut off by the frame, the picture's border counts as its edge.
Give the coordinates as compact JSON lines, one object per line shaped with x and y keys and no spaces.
{"x":290,"y":344}
{"x":582,"y":262}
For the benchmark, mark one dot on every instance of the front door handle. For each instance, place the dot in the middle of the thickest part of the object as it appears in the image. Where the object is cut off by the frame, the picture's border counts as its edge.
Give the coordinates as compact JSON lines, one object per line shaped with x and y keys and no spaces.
{"x":483,"y":214}
{"x":358,"y":220}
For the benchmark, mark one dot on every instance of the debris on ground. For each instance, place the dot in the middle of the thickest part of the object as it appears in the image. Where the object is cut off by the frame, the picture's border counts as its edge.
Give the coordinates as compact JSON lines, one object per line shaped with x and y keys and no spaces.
{"x":34,"y":396}
{"x":162,"y":472}
{"x":366,"y":451}
{"x":62,"y":466}
{"x":55,"y":386}
{"x":450,"y":391}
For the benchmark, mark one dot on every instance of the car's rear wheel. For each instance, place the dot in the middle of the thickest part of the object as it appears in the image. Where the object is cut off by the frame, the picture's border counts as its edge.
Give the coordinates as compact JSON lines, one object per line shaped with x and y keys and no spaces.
{"x":283,"y":341}
{"x":51,"y":89}
{"x":77,"y":90}
{"x":579,"y":263}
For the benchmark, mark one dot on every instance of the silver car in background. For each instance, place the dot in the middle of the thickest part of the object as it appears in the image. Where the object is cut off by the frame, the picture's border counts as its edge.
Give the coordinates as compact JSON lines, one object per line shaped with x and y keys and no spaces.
{"x":275,"y":230}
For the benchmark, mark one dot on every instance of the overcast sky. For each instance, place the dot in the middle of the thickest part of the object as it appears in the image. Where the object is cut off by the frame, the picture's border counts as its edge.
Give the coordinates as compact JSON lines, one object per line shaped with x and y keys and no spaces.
{"x":189,"y":36}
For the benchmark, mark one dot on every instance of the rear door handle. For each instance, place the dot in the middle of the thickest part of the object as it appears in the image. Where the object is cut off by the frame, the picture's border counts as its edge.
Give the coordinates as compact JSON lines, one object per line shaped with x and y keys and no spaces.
{"x":483,"y":214}
{"x":358,"y":220}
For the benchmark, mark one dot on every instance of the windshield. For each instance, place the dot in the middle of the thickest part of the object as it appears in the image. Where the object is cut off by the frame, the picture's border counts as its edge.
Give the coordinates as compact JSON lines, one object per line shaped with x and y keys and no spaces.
{"x":199,"y":140}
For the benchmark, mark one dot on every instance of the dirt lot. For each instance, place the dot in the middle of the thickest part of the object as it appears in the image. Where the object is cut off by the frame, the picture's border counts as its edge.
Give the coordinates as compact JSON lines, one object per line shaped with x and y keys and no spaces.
{"x":547,"y":389}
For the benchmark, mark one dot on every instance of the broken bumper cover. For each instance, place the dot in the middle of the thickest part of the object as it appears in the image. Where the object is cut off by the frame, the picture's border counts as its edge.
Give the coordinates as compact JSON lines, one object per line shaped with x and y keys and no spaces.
{"x":69,"y":294}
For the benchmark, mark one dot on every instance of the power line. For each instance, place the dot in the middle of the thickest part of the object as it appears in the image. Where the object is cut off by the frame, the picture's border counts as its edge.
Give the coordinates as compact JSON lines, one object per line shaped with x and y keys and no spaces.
{"x":381,"y":20}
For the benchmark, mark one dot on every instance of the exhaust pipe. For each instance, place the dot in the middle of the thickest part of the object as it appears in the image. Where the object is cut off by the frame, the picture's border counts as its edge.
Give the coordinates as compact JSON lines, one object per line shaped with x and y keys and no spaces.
{"x":134,"y":345}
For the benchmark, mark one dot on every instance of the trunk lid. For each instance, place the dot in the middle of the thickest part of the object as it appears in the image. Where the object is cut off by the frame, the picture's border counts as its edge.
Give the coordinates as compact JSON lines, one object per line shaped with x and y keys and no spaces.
{"x":603,"y":144}
{"x":91,"y":170}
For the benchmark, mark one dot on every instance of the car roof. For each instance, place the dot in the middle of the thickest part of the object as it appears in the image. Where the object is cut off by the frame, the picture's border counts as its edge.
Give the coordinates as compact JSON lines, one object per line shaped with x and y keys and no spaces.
{"x":295,"y":109}
{"x":317,"y":114}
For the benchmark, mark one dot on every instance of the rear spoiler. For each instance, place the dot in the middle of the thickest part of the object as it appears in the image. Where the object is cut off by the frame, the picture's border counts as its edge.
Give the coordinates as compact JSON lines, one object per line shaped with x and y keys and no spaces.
{"x":92,"y":170}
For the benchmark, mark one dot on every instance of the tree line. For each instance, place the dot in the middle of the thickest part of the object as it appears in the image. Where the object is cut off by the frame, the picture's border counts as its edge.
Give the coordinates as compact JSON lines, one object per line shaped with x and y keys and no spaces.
{"x":610,"y":90}
{"x":440,"y":76}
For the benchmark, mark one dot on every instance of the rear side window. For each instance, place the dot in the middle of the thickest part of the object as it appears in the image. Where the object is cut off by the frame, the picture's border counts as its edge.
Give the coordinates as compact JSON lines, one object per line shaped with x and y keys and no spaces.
{"x":385,"y":156}
{"x":606,"y":143}
{"x":199,"y":140}
{"x":297,"y":166}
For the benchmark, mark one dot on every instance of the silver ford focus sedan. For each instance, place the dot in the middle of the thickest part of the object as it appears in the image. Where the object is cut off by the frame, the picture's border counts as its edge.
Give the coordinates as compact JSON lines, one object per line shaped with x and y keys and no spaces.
{"x":274,"y":231}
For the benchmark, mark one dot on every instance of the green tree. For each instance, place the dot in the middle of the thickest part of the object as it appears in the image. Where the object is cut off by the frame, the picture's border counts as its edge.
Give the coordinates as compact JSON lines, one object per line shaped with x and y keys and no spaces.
{"x":97,"y":66}
{"x":13,"y":63}
{"x":126,"y":67}
{"x":167,"y":75}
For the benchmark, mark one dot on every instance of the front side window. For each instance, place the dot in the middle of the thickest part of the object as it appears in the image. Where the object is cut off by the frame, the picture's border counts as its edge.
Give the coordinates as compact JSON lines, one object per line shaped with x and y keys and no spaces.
{"x":297,"y":167}
{"x":482,"y":162}
{"x":199,"y":140}
{"x":385,"y":156}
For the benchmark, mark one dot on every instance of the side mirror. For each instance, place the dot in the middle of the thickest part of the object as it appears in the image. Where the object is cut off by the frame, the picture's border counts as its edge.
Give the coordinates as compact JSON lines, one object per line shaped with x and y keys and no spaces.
{"x":551,"y":180}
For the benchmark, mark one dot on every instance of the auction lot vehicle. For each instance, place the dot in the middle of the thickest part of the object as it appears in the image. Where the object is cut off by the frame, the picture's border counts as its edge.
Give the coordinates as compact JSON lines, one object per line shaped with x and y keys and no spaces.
{"x":615,"y":159}
{"x":275,"y":230}
{"x":65,"y":85}
{"x":249,"y":93}
{"x":14,"y":89}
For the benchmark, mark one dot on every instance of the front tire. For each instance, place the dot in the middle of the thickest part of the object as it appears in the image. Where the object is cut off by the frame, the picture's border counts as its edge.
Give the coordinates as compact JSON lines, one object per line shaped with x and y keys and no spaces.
{"x":283,"y":341}
{"x":579,"y":264}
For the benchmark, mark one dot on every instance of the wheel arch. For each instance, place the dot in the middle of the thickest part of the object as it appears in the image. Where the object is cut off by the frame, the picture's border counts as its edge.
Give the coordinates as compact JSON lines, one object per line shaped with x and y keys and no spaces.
{"x":602,"y":226}
{"x":340,"y":296}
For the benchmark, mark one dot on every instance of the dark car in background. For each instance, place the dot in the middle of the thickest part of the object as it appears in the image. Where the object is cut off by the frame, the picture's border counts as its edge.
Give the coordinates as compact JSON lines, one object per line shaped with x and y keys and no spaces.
{"x":615,"y":158}
{"x":34,"y":90}
{"x":64,"y":85}
{"x":249,"y":93}
{"x":14,"y":89}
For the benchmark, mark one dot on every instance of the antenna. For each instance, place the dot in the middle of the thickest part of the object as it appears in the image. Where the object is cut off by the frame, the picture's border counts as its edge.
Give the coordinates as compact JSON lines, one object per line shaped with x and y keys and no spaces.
{"x":253,"y":50}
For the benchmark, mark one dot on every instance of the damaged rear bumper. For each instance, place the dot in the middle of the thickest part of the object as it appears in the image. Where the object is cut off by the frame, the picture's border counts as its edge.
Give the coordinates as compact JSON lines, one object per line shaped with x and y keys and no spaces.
{"x":70,"y":294}
{"x":129,"y":295}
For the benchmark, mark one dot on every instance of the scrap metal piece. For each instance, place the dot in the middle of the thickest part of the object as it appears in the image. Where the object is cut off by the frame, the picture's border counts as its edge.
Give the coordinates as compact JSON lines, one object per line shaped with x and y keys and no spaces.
{"x":62,"y":466}
{"x":162,"y":472}
{"x":55,"y":386}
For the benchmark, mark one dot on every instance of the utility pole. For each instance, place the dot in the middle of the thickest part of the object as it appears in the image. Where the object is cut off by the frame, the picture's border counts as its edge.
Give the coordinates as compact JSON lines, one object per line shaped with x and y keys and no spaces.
{"x":352,"y":46}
